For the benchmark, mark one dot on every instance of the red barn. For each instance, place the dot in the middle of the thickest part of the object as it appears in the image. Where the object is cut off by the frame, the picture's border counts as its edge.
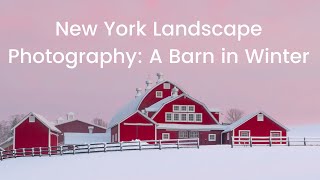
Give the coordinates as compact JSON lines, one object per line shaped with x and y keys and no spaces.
{"x":255,"y":125}
{"x":78,"y":126}
{"x":34,"y":131}
{"x":165,"y":111}
{"x":7,"y":145}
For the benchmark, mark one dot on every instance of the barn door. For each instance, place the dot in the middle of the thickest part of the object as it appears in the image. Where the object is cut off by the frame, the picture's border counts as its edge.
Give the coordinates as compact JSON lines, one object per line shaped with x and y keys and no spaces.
{"x":276,"y":137}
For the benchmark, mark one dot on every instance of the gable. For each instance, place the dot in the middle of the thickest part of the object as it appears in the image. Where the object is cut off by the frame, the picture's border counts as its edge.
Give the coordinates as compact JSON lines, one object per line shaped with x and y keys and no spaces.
{"x":25,"y":126}
{"x":137,"y":118}
{"x":260,"y":126}
{"x":185,"y":100}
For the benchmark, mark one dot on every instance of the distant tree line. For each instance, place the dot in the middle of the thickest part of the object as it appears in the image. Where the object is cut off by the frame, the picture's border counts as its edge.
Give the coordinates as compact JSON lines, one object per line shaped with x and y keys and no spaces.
{"x":7,"y":125}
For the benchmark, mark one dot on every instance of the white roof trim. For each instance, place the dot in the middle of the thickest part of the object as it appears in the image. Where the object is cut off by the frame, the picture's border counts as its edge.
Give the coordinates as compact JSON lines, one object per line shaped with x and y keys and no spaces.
{"x":7,"y":141}
{"x":41,"y":119}
{"x":152,"y":121}
{"x":186,"y":95}
{"x":158,"y":105}
{"x":83,"y":122}
{"x":191,"y":127}
{"x":244,"y":119}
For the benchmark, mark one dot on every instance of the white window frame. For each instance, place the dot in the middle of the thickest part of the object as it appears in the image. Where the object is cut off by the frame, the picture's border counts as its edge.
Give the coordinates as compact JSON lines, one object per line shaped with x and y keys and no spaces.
{"x":32,"y":119}
{"x":174,"y":110}
{"x":90,"y":129}
{"x":181,"y":115}
{"x":171,"y":116}
{"x":115,"y":137}
{"x":112,"y":138}
{"x":194,"y":119}
{"x":260,"y":117}
{"x":166,"y":85}
{"x":240,"y":131}
{"x":280,"y":133}
{"x":198,"y":114}
{"x":210,"y":138}
{"x":186,"y":110}
{"x":192,"y":133}
{"x":174,"y":117}
{"x":183,"y":134}
{"x":160,"y":95}
{"x":193,"y":106}
{"x":165,"y":134}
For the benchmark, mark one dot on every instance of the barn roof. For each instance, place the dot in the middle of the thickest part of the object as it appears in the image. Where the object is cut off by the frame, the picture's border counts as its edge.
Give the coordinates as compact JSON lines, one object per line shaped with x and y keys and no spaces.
{"x":155,"y":107}
{"x":191,"y":127}
{"x":7,"y":143}
{"x":133,"y":106}
{"x":42,"y":119}
{"x":65,"y":122}
{"x":247,"y":118}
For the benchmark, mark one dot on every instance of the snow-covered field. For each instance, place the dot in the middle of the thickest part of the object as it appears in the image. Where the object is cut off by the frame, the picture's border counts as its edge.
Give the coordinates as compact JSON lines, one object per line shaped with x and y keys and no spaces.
{"x":208,"y":162}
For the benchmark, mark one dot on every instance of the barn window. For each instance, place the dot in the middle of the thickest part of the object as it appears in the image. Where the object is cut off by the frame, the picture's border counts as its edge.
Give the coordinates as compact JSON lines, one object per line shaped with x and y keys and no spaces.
{"x":32,"y":119}
{"x":176,"y":117}
{"x":199,"y":117}
{"x":166,"y":85}
{"x":112,"y":138}
{"x":183,"y":108}
{"x":228,"y":136}
{"x":176,"y":108}
{"x":194,"y":134}
{"x":244,"y":133}
{"x":191,"y":108}
{"x":168,"y":116}
{"x":260,"y":117}
{"x":183,"y":134}
{"x":275,"y":133}
{"x":90,"y":128}
{"x":116,"y":137}
{"x":158,"y":94}
{"x":212,"y":137}
{"x":191,"y":117}
{"x":183,"y":117}
{"x":165,"y":136}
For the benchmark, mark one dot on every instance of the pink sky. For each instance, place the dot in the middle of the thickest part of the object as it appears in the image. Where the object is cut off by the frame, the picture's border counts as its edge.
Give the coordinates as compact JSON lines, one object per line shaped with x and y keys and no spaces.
{"x":289,"y":93}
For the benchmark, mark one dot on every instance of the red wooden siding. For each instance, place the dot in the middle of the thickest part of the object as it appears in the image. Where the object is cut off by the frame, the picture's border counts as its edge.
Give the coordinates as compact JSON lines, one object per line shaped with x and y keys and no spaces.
{"x":206,"y":117}
{"x":141,"y":132}
{"x":151,"y":99}
{"x":79,"y":127}
{"x":28,"y":135}
{"x":114,"y":132}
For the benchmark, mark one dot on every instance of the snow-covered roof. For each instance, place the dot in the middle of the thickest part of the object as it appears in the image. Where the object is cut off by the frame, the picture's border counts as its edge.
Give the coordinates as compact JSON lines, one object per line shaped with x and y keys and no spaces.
{"x":42,"y":119}
{"x":133,"y":106}
{"x":191,"y":127}
{"x":214,"y":110}
{"x":64,"y":122}
{"x":155,"y":107}
{"x":247,"y":118}
{"x":1,"y":149}
{"x":8,"y":141}
{"x":84,"y":138}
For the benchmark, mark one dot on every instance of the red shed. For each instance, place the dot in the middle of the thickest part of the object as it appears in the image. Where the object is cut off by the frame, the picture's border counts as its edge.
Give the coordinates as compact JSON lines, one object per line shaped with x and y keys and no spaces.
{"x":34,"y":131}
{"x":255,"y":125}
{"x":78,"y":126}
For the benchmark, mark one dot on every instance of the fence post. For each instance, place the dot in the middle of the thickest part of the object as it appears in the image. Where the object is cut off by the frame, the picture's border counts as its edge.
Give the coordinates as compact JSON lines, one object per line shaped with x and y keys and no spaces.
{"x":49,"y":150}
{"x":14,"y":153}
{"x":270,"y":141}
{"x":88,"y":148}
{"x":198,"y":143}
{"x":120,"y":146}
{"x":250,"y":141}
{"x":1,"y":155}
{"x":304,"y":141}
{"x":232,"y":139}
{"x":24,"y":152}
{"x":74,"y":149}
{"x":40,"y":151}
{"x":105,"y":147}
{"x":288,"y":139}
{"x":32,"y":152}
{"x":61,"y":152}
{"x":160,"y":146}
{"x":140,"y":145}
{"x":178,"y":144}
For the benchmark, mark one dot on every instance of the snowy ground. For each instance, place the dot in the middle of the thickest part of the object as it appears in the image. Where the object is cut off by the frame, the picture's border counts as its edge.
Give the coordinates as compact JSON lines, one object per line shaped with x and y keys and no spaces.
{"x":208,"y":162}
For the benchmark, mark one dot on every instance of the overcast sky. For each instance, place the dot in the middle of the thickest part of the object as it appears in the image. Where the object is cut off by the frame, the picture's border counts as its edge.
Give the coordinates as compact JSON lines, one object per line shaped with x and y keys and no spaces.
{"x":289,"y":93}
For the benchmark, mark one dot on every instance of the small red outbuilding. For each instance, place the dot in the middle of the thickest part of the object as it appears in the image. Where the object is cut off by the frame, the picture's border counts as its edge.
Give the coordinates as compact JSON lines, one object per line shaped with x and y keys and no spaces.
{"x":34,"y":131}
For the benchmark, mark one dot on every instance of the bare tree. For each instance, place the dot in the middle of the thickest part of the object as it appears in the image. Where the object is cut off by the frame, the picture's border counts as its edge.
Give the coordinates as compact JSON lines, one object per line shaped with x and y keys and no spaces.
{"x":99,"y":122}
{"x":6,"y":126}
{"x":234,"y":114}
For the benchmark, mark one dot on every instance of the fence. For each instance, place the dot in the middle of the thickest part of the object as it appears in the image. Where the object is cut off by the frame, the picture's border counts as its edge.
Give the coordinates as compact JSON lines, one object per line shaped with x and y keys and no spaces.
{"x":274,"y":141}
{"x":100,"y":147}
